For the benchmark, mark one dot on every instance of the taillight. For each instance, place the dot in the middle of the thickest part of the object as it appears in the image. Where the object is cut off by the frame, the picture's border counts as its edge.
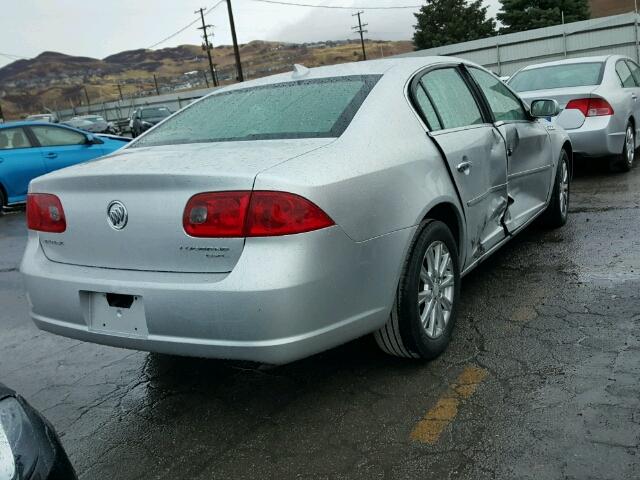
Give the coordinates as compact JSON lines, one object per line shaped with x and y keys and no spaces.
{"x":251,"y":214}
{"x":591,"y":107}
{"x":45,"y":213}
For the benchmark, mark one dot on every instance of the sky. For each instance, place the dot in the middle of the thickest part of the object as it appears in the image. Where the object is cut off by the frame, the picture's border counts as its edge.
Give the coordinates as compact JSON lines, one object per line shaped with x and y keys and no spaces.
{"x":100,"y":28}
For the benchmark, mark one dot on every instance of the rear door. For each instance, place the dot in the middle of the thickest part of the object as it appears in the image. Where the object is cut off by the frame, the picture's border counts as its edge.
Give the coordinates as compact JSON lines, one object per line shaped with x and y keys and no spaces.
{"x":474,"y":151}
{"x":62,"y":147}
{"x":20,"y":162}
{"x":529,"y":154}
{"x":635,"y":96}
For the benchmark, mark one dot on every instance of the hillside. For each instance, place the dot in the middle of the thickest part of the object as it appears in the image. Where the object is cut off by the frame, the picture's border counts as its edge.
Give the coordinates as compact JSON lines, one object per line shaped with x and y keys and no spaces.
{"x":57,"y":81}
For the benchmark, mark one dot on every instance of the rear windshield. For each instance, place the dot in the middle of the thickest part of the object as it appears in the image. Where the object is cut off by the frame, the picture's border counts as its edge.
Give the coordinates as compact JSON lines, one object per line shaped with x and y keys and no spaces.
{"x":557,"y":76}
{"x":155,"y":112}
{"x":303,"y":109}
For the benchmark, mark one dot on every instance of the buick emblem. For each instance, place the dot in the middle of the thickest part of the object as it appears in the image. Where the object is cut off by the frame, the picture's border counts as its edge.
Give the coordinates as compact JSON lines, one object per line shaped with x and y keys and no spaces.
{"x":117,"y":215}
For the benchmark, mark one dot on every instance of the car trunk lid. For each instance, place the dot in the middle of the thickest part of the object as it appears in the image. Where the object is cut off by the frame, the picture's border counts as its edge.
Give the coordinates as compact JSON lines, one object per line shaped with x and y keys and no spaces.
{"x":568,"y":119}
{"x":154,"y":185}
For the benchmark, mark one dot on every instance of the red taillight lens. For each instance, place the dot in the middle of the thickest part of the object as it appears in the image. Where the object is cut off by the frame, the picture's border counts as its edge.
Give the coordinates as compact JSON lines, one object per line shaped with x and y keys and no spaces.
{"x":45,"y":213}
{"x":216,"y":214}
{"x":251,"y":214}
{"x":280,"y":213}
{"x":591,"y":107}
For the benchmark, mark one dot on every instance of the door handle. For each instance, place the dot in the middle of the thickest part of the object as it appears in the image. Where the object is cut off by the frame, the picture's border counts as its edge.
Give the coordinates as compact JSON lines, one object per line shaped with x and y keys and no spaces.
{"x":465,"y":167}
{"x":51,"y":155}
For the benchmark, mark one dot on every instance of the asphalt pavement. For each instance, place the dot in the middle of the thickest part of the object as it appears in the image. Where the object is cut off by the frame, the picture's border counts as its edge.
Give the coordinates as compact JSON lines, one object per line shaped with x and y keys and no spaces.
{"x":541,"y":380}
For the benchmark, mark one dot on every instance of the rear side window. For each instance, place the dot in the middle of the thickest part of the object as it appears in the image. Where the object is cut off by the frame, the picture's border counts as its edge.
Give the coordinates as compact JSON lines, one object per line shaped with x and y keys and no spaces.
{"x":558,"y":76}
{"x":635,"y":71}
{"x":11,"y":138}
{"x":452,"y":100}
{"x":425,"y":105}
{"x":56,"y":136}
{"x":626,"y":79}
{"x":317,"y":108}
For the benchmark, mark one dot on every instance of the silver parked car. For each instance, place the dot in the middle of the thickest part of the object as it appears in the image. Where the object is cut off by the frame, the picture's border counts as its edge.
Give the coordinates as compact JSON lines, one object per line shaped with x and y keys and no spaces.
{"x":281,"y":217}
{"x":599,"y":101}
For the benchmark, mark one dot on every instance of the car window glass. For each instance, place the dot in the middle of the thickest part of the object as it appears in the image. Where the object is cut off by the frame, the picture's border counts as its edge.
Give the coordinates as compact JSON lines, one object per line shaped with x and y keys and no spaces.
{"x":55,"y":136}
{"x":318,"y":108}
{"x":427,"y":109}
{"x":504,"y":104}
{"x":635,"y":71}
{"x":625,"y":75}
{"x":557,"y":76}
{"x":452,"y":99}
{"x":13,"y":138}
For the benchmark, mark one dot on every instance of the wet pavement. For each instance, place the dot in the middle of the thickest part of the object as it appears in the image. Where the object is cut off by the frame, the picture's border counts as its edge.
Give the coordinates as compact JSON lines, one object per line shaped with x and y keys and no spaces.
{"x":541,"y":381}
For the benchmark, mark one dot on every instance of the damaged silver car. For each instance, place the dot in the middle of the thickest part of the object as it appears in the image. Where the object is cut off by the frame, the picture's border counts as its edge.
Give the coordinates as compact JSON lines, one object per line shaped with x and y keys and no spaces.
{"x":281,"y":217}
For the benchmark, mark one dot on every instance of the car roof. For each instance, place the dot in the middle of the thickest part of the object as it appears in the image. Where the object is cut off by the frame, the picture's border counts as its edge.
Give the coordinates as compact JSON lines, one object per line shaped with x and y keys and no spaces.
{"x":569,"y":61}
{"x":403,"y":67}
{"x":23,"y":123}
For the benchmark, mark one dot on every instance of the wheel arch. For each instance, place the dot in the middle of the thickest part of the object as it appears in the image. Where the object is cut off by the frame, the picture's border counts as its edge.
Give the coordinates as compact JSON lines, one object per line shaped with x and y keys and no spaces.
{"x":569,"y":149}
{"x":447,"y":213}
{"x":4,"y":193}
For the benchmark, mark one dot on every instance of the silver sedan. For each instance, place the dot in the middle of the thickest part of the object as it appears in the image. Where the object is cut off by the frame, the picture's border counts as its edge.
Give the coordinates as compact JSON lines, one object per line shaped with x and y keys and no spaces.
{"x":281,"y":217}
{"x":599,"y":98}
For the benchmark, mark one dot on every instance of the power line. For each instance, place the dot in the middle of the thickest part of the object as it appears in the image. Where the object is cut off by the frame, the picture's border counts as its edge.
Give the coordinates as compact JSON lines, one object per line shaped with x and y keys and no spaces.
{"x":12,"y":57}
{"x":209,"y":10}
{"x":292,"y":4}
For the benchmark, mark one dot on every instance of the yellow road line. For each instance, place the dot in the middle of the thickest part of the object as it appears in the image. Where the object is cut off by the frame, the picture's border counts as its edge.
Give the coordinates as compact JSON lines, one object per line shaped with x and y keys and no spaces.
{"x":429,"y":429}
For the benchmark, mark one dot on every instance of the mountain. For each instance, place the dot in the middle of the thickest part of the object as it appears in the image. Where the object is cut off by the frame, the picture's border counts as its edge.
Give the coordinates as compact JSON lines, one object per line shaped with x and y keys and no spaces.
{"x":56,"y":81}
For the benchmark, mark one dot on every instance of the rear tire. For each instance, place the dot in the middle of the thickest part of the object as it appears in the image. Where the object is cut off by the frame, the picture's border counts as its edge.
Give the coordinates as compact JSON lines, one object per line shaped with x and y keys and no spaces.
{"x":424,"y":312}
{"x":556,"y":214}
{"x":3,"y":202}
{"x":624,"y":161}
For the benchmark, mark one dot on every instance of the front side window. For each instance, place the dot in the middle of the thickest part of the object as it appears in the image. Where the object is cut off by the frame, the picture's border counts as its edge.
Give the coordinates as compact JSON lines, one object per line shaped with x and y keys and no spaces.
{"x":626,"y":79}
{"x":56,"y":136}
{"x":452,"y":99}
{"x":504,"y":104}
{"x":557,"y":76}
{"x":303,"y":109}
{"x":11,"y":138}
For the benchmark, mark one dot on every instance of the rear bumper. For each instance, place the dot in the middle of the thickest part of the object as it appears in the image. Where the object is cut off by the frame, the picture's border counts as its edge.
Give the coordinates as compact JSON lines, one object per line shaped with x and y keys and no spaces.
{"x":287,"y":298}
{"x":597,"y":137}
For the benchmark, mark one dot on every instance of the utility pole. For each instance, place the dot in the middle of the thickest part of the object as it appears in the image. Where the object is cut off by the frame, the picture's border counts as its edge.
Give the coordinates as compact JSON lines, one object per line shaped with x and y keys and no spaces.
{"x":359,"y":28}
{"x":206,"y":80}
{"x":564,"y":36}
{"x":206,"y":45}
{"x":236,"y":50}
{"x":86,"y":94}
{"x":215,"y":72}
{"x":155,"y":82}
{"x":635,"y":9}
{"x":120,"y":92}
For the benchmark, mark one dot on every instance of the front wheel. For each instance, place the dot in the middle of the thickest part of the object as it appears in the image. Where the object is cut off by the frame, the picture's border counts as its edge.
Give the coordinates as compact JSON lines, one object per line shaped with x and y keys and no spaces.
{"x":424,"y":313}
{"x":558,"y":210}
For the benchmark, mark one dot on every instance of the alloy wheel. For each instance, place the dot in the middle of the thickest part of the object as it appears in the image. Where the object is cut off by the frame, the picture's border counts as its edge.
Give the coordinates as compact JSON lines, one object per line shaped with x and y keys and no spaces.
{"x":436,"y":289}
{"x":564,"y":188}
{"x":630,"y":144}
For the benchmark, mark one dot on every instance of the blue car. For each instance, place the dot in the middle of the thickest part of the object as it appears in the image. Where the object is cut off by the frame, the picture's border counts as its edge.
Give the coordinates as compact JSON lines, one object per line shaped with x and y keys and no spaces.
{"x":31,"y":149}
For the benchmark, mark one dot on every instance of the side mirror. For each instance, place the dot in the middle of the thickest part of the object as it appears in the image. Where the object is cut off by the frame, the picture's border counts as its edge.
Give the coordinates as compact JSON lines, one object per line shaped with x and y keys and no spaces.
{"x":93,"y":140}
{"x":544,"y":108}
